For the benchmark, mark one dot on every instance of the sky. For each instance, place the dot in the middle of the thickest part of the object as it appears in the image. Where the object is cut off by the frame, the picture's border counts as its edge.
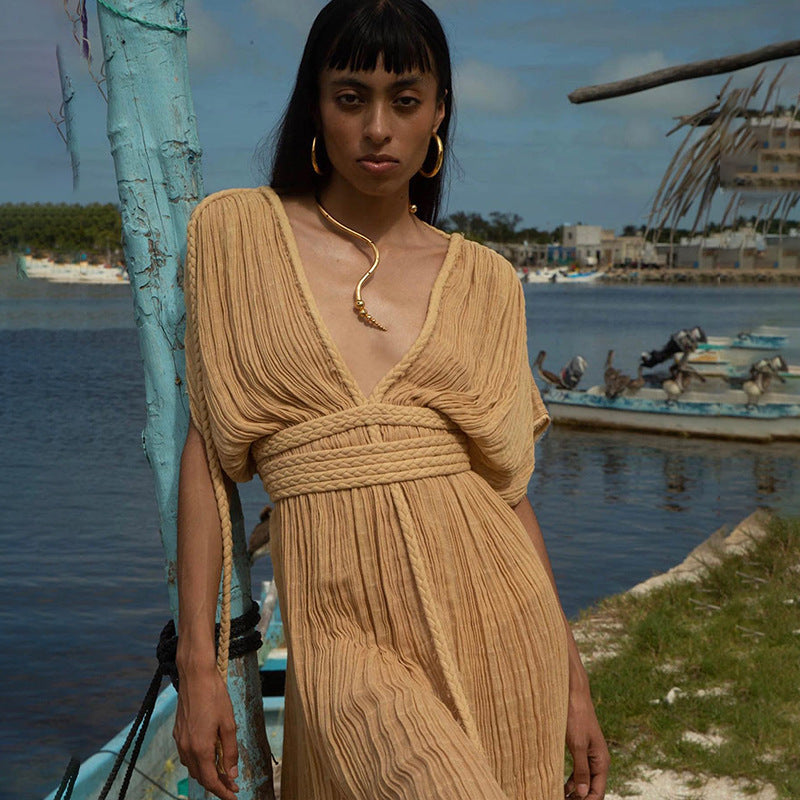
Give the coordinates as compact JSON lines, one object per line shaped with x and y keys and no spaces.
{"x":520,"y":145}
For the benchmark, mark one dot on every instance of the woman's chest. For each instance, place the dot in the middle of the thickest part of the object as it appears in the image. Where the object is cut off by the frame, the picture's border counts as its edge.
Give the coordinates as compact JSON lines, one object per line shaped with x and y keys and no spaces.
{"x":397,"y":296}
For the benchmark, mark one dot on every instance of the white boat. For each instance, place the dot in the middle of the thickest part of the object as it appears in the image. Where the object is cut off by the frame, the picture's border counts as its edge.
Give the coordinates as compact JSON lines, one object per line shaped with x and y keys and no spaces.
{"x":578,"y":276}
{"x":82,"y":272}
{"x":725,"y":414}
{"x":541,"y":275}
{"x":560,"y":275}
{"x":718,"y":364}
{"x":747,"y":340}
{"x":734,"y":351}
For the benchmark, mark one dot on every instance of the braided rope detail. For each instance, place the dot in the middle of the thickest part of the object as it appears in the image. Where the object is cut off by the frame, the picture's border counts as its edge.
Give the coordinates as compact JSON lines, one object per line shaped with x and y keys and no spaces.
{"x":356,"y":466}
{"x":446,"y":662}
{"x":220,"y":493}
{"x":354,"y":417}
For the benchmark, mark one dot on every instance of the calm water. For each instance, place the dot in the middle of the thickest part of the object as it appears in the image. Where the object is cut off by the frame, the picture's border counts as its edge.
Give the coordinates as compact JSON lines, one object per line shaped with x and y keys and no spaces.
{"x":82,"y":595}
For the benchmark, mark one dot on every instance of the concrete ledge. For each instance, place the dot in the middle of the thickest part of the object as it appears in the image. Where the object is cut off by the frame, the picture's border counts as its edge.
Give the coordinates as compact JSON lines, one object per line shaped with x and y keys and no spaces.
{"x":710,"y":552}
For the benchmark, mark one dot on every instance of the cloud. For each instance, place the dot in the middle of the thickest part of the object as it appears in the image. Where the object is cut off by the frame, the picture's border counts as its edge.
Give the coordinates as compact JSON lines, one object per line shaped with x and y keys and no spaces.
{"x":671,"y":100}
{"x":301,"y":13}
{"x":485,"y":87}
{"x":35,"y":88}
{"x":209,"y":44}
{"x":29,"y":85}
{"x":297,"y":13}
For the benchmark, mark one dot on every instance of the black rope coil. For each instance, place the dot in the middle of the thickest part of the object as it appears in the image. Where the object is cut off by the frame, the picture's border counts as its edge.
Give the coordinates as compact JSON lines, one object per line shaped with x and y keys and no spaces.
{"x":244,"y":639}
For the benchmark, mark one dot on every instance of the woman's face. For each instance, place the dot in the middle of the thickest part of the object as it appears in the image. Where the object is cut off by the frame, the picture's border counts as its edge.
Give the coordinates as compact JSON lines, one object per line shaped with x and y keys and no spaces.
{"x":377,"y":126}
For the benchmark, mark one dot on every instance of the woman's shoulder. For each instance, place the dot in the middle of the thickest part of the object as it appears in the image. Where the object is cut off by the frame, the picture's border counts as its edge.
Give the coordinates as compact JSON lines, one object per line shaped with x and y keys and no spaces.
{"x":226,"y":204}
{"x":492,"y":264}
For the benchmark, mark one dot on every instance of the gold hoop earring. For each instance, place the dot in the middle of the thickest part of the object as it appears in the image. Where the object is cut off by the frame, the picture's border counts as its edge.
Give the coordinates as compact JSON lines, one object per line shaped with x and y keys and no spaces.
{"x":314,"y":162}
{"x":439,"y":159}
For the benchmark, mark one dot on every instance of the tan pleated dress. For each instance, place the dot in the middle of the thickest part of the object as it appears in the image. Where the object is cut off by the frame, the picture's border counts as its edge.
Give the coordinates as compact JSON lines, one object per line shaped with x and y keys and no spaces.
{"x":427,"y":653}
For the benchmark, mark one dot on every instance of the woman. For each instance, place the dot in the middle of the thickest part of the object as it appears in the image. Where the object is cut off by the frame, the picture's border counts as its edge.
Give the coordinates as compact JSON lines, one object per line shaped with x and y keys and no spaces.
{"x":394,"y":429}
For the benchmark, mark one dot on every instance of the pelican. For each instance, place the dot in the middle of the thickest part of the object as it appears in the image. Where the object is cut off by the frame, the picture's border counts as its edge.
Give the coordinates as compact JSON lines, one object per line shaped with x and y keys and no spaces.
{"x":258,"y":544}
{"x":761,"y":374}
{"x":615,"y":381}
{"x":610,"y":370}
{"x":634,"y":384}
{"x":573,"y":372}
{"x":546,"y":375}
{"x":753,"y":390}
{"x":672,"y":388}
{"x":681,"y":375}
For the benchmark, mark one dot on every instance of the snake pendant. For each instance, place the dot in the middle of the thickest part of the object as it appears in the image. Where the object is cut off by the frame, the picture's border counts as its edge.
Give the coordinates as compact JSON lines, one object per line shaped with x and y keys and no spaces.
{"x":358,"y":303}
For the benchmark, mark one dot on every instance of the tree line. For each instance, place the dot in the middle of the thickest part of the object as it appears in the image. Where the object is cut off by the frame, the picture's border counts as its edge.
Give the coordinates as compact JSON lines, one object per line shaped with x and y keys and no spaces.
{"x":504,"y":227}
{"x":61,"y":229}
{"x":500,"y":227}
{"x":70,"y":229}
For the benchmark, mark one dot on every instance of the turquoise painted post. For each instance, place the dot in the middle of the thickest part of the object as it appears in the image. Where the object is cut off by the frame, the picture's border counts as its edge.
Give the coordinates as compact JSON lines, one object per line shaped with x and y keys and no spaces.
{"x":152,"y":130}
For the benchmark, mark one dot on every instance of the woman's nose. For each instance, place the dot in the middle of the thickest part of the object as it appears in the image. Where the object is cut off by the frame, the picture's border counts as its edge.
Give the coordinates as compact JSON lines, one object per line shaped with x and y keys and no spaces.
{"x":377,"y":124}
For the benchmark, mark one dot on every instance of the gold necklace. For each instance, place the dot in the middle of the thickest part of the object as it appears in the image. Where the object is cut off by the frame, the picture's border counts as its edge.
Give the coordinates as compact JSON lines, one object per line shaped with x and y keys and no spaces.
{"x":358,"y":304}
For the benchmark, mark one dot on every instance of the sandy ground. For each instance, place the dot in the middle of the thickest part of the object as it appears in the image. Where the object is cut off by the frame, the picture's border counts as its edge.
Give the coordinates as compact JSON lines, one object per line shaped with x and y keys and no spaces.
{"x":659,"y":784}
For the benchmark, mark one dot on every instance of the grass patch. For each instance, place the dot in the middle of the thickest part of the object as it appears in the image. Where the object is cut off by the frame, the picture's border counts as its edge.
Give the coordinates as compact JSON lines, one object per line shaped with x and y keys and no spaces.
{"x":705,"y":677}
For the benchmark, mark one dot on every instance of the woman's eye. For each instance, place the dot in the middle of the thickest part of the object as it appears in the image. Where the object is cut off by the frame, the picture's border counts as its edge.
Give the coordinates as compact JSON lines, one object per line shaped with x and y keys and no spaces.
{"x":347,"y":99}
{"x":407,"y":101}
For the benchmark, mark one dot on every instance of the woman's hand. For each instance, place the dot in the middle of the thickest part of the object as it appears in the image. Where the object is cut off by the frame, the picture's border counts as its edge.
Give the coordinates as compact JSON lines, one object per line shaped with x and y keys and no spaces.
{"x":590,"y":759}
{"x":585,"y":740}
{"x":205,"y":715}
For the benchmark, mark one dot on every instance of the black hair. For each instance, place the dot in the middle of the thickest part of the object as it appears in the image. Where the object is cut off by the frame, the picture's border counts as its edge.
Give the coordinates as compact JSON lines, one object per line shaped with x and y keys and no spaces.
{"x":352,"y":34}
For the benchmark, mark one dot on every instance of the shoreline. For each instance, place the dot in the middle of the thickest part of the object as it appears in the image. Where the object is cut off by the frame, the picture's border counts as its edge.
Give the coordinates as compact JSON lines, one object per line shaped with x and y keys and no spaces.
{"x":598,"y":633}
{"x":670,"y":275}
{"x":702,"y":277}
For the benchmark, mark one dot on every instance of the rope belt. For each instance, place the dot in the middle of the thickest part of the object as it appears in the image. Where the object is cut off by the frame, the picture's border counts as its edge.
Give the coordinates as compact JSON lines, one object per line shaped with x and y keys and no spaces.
{"x":287,"y":474}
{"x":441,"y":451}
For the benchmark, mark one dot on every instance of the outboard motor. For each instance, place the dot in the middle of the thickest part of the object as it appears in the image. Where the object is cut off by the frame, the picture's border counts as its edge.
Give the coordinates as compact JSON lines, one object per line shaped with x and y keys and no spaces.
{"x":573,"y":372}
{"x":682,"y":341}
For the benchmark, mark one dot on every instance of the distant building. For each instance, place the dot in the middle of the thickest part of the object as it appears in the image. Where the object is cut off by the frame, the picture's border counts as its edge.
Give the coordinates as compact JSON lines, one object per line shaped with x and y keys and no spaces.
{"x":772,"y":160}
{"x":636,"y":251}
{"x":582,"y":244}
{"x":743,"y":249}
{"x":522,"y":254}
{"x":591,"y":245}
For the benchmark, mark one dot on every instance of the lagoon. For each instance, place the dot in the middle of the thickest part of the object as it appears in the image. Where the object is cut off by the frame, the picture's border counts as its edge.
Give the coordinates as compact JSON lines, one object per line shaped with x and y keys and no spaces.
{"x":82,"y":594}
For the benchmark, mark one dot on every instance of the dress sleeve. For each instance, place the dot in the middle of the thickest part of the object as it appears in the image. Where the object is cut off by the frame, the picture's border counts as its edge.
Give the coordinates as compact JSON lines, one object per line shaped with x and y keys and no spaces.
{"x":211,"y":380}
{"x":502,"y":452}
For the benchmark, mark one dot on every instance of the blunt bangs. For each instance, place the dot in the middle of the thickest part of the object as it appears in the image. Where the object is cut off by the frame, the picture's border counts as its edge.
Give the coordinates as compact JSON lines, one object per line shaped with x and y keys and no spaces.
{"x":386,"y":31}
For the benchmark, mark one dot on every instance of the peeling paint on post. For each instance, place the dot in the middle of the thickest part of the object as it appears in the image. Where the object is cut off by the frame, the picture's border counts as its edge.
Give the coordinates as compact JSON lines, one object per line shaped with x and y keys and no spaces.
{"x":152,"y":130}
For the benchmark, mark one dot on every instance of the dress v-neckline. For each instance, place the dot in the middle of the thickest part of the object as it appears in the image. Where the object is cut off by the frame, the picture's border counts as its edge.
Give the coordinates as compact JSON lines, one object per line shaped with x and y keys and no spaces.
{"x":346,"y":373}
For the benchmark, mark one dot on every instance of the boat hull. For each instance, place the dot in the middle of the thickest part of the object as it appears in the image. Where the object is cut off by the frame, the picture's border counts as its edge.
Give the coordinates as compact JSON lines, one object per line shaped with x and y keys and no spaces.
{"x":43,"y":269}
{"x":724,"y":415}
{"x":158,"y":767}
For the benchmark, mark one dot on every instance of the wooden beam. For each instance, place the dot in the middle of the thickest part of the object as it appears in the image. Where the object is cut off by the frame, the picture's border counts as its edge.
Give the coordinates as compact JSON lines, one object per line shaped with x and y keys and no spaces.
{"x":157,"y":156}
{"x":697,"y":69}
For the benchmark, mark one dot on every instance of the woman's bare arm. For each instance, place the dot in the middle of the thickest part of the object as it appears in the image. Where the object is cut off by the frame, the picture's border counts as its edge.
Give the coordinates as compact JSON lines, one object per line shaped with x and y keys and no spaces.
{"x":584,"y":737}
{"x":204,"y":709}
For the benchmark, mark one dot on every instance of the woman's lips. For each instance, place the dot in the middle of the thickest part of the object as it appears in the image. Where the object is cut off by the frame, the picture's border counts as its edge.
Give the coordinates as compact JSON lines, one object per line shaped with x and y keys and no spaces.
{"x":378,"y":167}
